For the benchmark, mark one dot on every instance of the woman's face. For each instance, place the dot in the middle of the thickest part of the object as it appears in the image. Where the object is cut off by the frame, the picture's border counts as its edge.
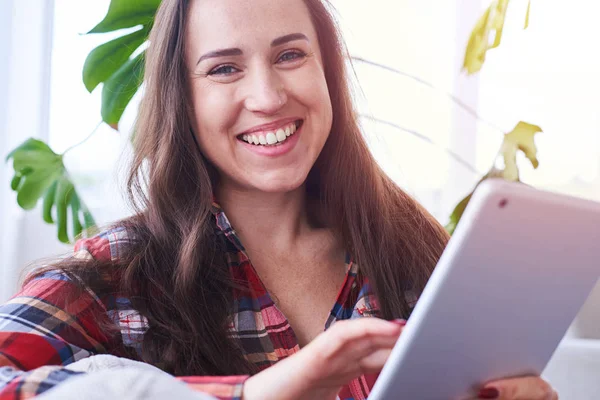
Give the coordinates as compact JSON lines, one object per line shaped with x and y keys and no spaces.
{"x":261,"y":108}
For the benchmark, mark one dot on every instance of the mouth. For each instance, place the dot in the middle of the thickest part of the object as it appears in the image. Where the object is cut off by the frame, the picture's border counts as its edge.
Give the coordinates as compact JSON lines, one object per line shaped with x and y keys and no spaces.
{"x":272,"y":138}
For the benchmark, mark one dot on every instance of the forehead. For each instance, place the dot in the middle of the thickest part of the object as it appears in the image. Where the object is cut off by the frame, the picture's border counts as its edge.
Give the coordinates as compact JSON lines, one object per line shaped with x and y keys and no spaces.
{"x":225,"y":23}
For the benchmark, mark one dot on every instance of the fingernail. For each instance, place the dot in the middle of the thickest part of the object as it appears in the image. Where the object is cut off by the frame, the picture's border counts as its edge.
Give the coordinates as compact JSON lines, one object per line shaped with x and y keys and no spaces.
{"x":400,"y":322}
{"x":489,"y":393}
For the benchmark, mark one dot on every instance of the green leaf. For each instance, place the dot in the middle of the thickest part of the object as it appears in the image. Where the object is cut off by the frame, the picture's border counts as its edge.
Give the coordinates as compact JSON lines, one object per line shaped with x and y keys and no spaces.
{"x":107,"y":58}
{"x":457,"y":214}
{"x":39,"y":172}
{"x":119,"y":89}
{"x":48,"y":203}
{"x":460,"y":208}
{"x":88,"y":219}
{"x":36,"y":167}
{"x":15,"y":182}
{"x":75,"y":207}
{"x":64,"y":191}
{"x":33,"y":187}
{"x":527,"y":15}
{"x":32,"y":145}
{"x":28,"y":161}
{"x":126,"y":14}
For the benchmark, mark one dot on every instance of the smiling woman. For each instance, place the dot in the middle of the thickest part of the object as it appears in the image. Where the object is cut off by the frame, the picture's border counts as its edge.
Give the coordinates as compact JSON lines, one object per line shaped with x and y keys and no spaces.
{"x":249,"y":270}
{"x":258,"y":79}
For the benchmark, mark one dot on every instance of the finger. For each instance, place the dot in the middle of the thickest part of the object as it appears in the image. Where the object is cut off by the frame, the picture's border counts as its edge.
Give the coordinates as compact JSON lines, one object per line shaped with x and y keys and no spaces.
{"x":374,"y":362}
{"x":524,"y":388}
{"x":351,"y":331}
{"x":366,"y":346}
{"x":356,"y":341}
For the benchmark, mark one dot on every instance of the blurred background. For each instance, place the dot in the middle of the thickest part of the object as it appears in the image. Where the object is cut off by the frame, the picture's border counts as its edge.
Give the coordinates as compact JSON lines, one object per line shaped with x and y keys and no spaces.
{"x":407,"y":58}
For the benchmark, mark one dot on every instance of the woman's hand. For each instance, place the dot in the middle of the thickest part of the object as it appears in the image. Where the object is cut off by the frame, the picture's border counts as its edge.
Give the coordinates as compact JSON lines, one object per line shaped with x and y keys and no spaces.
{"x":345,"y":351}
{"x":526,"y":388}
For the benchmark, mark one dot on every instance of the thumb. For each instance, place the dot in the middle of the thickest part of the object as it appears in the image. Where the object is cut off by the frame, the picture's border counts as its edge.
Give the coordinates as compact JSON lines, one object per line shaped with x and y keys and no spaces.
{"x":523,"y":388}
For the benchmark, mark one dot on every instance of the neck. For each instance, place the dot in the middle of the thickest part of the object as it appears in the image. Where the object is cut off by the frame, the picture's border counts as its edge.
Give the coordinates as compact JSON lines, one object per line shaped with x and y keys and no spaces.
{"x":271,"y":220}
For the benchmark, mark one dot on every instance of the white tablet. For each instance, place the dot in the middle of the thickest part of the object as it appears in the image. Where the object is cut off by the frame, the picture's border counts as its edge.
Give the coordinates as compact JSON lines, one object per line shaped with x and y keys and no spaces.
{"x":519,"y":266}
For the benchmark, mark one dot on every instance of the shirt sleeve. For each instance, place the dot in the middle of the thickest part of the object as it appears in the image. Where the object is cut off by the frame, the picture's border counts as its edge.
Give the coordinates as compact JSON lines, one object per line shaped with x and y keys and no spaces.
{"x":222,"y":387}
{"x":43,"y":328}
{"x":52,"y":322}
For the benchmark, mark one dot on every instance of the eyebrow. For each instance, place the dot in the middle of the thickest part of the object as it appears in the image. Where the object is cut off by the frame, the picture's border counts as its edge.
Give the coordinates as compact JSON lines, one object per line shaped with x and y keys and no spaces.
{"x":288,"y":38}
{"x":238,"y":52}
{"x":220,"y":53}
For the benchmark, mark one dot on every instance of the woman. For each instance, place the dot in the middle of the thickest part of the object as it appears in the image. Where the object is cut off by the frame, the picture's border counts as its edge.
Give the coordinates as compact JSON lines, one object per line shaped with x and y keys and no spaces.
{"x":246,"y":110}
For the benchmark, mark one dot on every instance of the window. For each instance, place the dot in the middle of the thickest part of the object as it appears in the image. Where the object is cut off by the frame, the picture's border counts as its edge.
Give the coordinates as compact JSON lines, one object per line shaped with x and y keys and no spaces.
{"x":420,"y":132}
{"x":548,"y":75}
{"x":75,"y":113}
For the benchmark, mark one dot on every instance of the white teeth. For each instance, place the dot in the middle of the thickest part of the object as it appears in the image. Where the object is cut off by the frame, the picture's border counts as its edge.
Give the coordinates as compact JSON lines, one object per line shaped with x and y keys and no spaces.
{"x":280,"y":135}
{"x":271,"y":138}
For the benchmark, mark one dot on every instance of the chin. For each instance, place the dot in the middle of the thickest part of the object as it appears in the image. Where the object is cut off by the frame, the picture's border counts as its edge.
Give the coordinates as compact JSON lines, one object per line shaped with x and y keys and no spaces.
{"x":279,"y":184}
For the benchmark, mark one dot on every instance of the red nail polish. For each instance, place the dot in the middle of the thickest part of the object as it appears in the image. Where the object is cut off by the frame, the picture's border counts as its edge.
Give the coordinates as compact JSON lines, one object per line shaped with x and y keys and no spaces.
{"x":400,"y":322}
{"x":489,"y":393}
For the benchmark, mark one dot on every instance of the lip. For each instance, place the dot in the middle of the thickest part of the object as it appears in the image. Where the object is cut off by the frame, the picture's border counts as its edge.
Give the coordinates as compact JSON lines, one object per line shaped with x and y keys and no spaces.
{"x":277,"y":150}
{"x":272,"y":126}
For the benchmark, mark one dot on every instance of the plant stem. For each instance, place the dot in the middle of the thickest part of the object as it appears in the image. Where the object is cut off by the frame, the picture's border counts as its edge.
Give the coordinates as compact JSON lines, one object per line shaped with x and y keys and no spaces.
{"x":455,"y":99}
{"x":452,"y":154}
{"x":84,"y":140}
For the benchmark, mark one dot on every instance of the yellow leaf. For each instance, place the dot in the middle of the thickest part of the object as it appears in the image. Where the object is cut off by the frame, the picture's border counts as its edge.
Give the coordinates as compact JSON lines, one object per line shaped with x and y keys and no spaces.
{"x":520,"y":138}
{"x":527,"y":15}
{"x":477,"y":45}
{"x":491,"y":20}
{"x":498,"y":21}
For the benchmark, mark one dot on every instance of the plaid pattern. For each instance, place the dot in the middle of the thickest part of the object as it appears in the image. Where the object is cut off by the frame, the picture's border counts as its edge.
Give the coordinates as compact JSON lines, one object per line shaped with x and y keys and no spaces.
{"x":44,"y":327}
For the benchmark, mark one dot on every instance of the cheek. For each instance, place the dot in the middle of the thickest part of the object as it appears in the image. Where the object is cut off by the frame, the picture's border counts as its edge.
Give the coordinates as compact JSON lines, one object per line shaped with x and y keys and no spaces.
{"x":214,"y":113}
{"x":310,"y":89}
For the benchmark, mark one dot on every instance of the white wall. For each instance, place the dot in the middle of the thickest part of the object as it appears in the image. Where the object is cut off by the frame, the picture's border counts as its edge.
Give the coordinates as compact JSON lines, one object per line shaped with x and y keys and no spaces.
{"x":26,"y":32}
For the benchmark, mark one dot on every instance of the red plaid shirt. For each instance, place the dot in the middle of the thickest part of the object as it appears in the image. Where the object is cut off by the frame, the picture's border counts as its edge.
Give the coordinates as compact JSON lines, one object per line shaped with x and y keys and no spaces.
{"x":43,"y":328}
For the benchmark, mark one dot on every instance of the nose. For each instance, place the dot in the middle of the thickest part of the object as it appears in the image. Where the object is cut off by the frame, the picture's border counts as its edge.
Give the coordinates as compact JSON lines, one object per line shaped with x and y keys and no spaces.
{"x":265,"y":93}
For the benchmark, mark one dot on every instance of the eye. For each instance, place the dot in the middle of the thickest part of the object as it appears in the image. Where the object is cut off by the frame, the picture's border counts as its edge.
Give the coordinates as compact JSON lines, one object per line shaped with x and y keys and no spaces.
{"x":223,"y":70}
{"x":291,"y":56}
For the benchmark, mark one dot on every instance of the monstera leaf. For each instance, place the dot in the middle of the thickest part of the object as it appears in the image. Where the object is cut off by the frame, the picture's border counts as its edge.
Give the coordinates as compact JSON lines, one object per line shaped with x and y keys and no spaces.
{"x":127,"y":14}
{"x":120,"y":88}
{"x":112,"y":64}
{"x":107,"y":58}
{"x":521,"y":138}
{"x":40,"y":173}
{"x":492,"y":21}
{"x":118,"y":65}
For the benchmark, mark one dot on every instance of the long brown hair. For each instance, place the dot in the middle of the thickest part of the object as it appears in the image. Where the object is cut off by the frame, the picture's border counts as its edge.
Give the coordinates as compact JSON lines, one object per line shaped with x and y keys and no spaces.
{"x":175,"y":271}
